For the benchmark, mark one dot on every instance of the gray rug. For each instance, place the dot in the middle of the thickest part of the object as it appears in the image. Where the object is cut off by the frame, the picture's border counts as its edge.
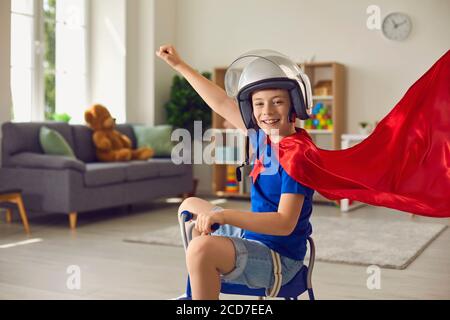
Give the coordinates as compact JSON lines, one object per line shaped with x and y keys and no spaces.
{"x":388,"y":244}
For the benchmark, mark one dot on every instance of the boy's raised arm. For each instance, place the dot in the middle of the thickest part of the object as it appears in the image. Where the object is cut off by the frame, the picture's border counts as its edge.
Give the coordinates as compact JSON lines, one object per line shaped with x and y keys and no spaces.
{"x":211,"y":93}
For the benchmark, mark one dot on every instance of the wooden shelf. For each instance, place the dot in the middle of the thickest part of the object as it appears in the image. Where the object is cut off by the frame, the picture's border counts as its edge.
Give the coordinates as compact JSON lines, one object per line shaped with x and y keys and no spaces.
{"x":315,"y":131}
{"x":323,"y":98}
{"x":335,"y":72}
{"x":224,"y":194}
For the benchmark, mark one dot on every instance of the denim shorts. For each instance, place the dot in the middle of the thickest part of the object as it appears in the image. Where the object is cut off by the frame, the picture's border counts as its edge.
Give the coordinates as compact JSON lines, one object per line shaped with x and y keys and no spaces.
{"x":254,"y":263}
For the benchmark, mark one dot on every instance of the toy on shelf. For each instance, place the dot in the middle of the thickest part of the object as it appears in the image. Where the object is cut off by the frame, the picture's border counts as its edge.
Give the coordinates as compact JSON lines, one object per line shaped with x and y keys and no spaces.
{"x":320,"y":119}
{"x":232,"y":185}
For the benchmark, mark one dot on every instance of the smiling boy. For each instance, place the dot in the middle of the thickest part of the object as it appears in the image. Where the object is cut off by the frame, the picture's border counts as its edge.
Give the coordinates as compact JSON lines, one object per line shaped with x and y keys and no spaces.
{"x":263,"y":248}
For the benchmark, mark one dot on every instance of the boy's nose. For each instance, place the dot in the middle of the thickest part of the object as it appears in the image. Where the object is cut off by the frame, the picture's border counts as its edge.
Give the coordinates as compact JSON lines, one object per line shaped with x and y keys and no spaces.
{"x":267,"y":110}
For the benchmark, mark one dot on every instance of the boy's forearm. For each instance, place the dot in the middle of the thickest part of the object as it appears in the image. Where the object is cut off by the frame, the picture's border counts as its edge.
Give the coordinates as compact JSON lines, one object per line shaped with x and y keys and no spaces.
{"x":212,"y":94}
{"x":271,"y":223}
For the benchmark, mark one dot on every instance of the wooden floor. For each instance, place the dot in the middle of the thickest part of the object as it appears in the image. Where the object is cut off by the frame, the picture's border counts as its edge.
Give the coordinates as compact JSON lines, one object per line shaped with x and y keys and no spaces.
{"x":113,"y":269}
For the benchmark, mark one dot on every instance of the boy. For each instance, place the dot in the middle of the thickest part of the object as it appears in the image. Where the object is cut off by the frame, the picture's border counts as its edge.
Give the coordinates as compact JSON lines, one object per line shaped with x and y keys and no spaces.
{"x":263,"y":248}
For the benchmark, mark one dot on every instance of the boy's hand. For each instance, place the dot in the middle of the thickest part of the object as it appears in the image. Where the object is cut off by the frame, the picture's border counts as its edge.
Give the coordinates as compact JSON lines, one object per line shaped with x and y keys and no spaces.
{"x":169,"y":55}
{"x":205,"y":220}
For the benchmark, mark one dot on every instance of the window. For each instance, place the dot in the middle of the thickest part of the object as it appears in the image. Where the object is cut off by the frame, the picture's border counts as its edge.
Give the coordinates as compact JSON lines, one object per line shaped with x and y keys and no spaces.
{"x":48,"y":59}
{"x":22,"y":59}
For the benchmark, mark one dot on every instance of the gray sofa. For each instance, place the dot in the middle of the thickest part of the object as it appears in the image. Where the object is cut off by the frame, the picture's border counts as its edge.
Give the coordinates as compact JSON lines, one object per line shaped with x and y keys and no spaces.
{"x":58,"y":184}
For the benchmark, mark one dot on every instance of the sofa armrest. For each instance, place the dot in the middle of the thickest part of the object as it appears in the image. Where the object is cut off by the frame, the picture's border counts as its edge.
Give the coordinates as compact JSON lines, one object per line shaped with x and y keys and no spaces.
{"x":44,"y":161}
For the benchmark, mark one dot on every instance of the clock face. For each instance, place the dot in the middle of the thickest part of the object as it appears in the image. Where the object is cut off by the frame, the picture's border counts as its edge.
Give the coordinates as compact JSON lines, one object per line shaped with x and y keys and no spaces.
{"x":397,"y":26}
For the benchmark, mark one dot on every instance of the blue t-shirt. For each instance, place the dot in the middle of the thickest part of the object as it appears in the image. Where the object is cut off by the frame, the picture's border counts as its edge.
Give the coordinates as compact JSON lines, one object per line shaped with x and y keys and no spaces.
{"x":265,"y":197}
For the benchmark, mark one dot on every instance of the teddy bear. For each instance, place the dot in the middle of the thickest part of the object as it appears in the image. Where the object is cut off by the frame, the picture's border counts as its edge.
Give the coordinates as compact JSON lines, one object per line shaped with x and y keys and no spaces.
{"x":111,"y":144}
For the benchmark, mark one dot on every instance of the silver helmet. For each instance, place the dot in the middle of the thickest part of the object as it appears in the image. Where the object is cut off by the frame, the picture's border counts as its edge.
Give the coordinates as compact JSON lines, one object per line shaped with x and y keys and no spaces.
{"x":267,"y":69}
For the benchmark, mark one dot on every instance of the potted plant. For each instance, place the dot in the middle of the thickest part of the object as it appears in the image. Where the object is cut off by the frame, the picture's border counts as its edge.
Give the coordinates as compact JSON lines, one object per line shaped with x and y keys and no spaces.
{"x":184,"y":107}
{"x":60,"y":117}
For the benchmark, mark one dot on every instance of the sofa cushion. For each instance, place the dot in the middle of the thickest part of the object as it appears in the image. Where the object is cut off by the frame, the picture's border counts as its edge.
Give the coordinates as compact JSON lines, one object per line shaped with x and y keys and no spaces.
{"x":167,"y":168}
{"x":141,"y":170}
{"x":100,"y":174}
{"x":24,"y":137}
{"x":156,"y":137}
{"x":127,"y":129}
{"x":53,"y":143}
{"x":84,"y":147}
{"x":153,"y":168}
{"x":44,"y":161}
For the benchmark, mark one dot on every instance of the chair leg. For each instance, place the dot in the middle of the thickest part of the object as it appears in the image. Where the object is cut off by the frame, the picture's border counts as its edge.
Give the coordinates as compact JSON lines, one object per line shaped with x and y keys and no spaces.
{"x":8,"y":216}
{"x":23,"y":214}
{"x":311,"y":294}
{"x":73,"y":220}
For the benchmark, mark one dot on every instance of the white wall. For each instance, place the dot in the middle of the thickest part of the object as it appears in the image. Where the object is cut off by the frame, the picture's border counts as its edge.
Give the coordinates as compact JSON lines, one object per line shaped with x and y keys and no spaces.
{"x":5,"y":63}
{"x":107,"y":65}
{"x":140,"y":63}
{"x":165,"y":32}
{"x":212,"y":33}
{"x":123,"y":64}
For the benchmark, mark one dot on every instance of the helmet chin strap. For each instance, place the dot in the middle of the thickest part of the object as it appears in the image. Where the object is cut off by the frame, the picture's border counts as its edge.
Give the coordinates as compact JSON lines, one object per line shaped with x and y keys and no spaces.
{"x":246,"y":160}
{"x":292,"y":116}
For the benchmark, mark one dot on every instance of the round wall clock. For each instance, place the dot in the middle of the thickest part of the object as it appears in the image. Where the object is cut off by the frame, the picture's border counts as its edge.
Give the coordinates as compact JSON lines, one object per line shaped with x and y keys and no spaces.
{"x":397,"y":26}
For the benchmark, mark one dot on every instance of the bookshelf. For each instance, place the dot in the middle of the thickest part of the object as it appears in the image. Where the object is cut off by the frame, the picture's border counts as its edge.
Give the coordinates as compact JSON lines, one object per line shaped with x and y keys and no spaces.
{"x":326,"y":137}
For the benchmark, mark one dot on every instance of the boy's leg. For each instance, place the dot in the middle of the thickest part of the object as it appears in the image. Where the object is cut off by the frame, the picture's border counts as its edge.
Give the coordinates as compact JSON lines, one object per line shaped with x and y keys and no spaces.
{"x":206,"y":258}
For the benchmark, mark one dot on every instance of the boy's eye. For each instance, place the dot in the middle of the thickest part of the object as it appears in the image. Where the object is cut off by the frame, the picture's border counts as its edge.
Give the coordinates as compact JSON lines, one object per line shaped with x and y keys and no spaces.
{"x":278,"y":101}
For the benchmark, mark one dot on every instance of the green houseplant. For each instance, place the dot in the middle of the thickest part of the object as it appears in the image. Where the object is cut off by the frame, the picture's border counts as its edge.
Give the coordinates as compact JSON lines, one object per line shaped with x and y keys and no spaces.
{"x":60,"y":117}
{"x":186,"y":106}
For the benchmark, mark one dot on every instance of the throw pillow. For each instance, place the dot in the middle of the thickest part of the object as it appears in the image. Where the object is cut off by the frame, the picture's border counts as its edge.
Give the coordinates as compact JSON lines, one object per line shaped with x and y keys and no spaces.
{"x":157,"y":138}
{"x":53,"y":143}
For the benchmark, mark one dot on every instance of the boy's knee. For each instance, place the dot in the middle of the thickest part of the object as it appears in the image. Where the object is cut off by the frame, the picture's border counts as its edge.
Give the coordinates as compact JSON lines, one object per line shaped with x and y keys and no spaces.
{"x":199,"y":249}
{"x":186,"y":204}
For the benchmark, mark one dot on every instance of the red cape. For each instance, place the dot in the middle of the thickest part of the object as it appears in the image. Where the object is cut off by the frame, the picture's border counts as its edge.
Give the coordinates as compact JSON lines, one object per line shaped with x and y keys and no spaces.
{"x":404,"y":164}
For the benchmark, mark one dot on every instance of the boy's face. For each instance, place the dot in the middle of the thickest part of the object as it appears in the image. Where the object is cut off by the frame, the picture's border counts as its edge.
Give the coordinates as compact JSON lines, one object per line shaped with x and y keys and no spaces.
{"x":271,"y":110}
